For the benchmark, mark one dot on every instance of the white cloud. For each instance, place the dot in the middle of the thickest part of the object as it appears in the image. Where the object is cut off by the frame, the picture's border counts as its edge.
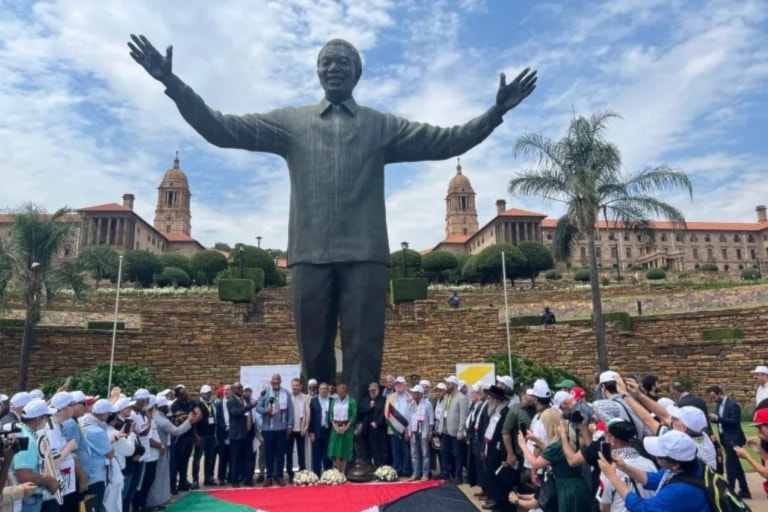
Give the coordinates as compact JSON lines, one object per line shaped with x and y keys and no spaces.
{"x":82,"y":123}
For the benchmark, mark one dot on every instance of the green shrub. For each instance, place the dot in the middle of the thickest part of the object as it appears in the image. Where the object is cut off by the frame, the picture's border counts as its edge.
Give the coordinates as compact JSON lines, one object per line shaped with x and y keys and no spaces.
{"x":656,"y":274}
{"x":254,"y":274}
{"x":173,"y":276}
{"x":552,"y":275}
{"x":604,"y":281}
{"x":12,"y":322}
{"x":526,"y":371}
{"x":683,"y":275}
{"x":520,"y":321}
{"x":636,"y":268}
{"x":236,"y":290}
{"x":619,"y":316}
{"x":722,"y":333}
{"x":94,"y":381}
{"x":104,"y":325}
{"x":750,"y":274}
{"x":581,"y":275}
{"x":708,"y":267}
{"x":409,"y":289}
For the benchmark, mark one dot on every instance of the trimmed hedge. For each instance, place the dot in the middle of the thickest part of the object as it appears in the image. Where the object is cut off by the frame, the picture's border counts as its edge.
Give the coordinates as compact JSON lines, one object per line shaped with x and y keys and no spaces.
{"x":621,"y":317}
{"x":520,"y":321}
{"x":12,"y":322}
{"x":236,"y":290}
{"x":581,"y":275}
{"x":408,"y":289}
{"x":708,"y":267}
{"x":722,"y":333}
{"x":655,"y":274}
{"x":750,"y":274}
{"x":254,"y":274}
{"x":552,"y":275}
{"x":104,"y":325}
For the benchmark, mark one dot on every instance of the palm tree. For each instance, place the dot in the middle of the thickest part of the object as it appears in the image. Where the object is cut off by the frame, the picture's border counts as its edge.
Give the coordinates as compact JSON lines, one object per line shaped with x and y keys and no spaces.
{"x":583,"y":171}
{"x":29,"y":258}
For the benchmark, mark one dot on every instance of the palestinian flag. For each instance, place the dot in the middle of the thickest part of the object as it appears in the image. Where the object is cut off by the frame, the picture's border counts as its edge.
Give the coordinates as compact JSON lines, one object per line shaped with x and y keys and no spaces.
{"x":430,"y":496}
{"x":395,"y":420}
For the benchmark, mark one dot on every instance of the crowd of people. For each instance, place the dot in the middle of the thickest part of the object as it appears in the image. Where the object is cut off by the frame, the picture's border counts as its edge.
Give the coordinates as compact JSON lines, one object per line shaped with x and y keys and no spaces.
{"x":530,"y":447}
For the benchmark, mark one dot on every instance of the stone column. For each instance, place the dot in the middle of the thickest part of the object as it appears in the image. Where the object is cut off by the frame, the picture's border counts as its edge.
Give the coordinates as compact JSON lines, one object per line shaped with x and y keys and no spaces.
{"x":539,"y":235}
{"x":517,"y":233}
{"x":120,"y":232}
{"x":98,"y":231}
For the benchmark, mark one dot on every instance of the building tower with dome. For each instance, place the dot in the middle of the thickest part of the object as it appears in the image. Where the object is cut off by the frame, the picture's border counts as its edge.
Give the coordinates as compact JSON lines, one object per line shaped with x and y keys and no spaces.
{"x":172,"y":214}
{"x":460,"y":211}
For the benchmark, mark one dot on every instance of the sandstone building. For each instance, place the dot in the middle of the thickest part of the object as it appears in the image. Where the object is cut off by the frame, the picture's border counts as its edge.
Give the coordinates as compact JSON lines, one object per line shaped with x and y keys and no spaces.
{"x":729,"y":245}
{"x":117,"y":225}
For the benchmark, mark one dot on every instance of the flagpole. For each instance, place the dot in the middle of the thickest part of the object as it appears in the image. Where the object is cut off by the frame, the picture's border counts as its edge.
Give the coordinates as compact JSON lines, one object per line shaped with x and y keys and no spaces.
{"x":114,"y":324}
{"x":506,"y":312}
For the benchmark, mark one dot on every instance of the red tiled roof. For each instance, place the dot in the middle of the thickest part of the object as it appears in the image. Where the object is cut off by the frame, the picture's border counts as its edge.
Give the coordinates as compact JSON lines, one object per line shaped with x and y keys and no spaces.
{"x":517,"y":212}
{"x":691,"y":226}
{"x":178,"y":237}
{"x":281,"y":263}
{"x":109,"y":207}
{"x":5,"y":218}
{"x":456,"y":239}
{"x":425,"y":251}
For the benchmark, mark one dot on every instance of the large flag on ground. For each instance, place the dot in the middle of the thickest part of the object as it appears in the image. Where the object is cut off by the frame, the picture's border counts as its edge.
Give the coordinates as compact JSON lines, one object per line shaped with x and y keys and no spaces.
{"x":431,"y":496}
{"x":395,"y":420}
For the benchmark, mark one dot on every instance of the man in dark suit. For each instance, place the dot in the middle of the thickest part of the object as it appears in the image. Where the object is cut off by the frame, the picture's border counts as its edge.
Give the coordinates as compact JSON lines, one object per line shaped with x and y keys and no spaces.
{"x":371,"y":414}
{"x":222,"y":434}
{"x":728,"y":419}
{"x":320,"y":429}
{"x":683,"y":398}
{"x":241,"y":427}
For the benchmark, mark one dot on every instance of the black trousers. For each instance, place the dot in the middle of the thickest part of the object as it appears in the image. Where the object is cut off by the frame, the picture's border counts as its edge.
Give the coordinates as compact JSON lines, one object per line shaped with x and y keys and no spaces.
{"x":354,"y":295}
{"x":241,"y":460}
{"x":206,"y":447}
{"x":275,"y":442}
{"x":320,"y":460}
{"x":297,"y":440}
{"x":733,"y":469}
{"x":140,"y":496}
{"x":223,"y":452}
{"x":182,"y":452}
{"x":377,"y":444}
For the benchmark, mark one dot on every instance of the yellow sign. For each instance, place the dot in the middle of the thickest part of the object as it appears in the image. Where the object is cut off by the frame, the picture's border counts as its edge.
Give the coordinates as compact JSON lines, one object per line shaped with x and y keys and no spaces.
{"x":478,"y":372}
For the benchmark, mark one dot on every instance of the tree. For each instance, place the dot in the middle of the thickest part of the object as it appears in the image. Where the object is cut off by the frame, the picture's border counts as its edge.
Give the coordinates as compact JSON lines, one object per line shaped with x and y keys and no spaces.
{"x":583,"y":171}
{"x":277,"y":253}
{"x":175,"y":260}
{"x":489,"y":265}
{"x":29,"y":258}
{"x":101,"y":261}
{"x":141,"y":267}
{"x":221,"y":246}
{"x":207,"y":264}
{"x":537,"y":259}
{"x":255,"y":257}
{"x":412,"y":262}
{"x":172,"y":276}
{"x":438,"y":263}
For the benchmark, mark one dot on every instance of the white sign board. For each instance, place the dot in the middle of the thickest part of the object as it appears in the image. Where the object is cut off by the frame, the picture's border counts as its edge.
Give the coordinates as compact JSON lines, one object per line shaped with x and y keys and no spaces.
{"x":259,"y":377}
{"x":472,"y":373}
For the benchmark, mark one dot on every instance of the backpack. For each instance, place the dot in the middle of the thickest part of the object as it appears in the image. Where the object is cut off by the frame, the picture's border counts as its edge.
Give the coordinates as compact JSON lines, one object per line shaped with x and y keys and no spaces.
{"x":720,"y":495}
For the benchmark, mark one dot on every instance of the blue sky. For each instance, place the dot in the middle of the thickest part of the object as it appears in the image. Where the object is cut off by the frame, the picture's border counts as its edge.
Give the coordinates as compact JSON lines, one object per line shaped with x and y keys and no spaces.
{"x":82,"y":124}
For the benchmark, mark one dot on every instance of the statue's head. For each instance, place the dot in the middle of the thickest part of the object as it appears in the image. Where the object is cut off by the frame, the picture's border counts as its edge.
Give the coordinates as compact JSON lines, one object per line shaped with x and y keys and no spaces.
{"x":339,"y":68}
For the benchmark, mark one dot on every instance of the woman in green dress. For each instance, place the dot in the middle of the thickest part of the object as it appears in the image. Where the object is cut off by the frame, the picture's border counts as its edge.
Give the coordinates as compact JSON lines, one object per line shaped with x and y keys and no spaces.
{"x":342,"y":414}
{"x":572,"y":492}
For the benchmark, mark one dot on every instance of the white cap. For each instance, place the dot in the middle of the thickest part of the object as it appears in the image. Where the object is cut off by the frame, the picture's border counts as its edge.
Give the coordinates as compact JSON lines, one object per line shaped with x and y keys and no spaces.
{"x":425,"y":382}
{"x":102,"y":406}
{"x":400,"y":380}
{"x":666,"y":402}
{"x":141,"y":394}
{"x":205,"y":389}
{"x":508,"y":381}
{"x":560,"y":398}
{"x":36,"y":408}
{"x":760,"y":369}
{"x":417,"y":389}
{"x":674,"y":445}
{"x":177,"y":386}
{"x":462,"y":384}
{"x":540,"y":389}
{"x":165,"y":392}
{"x":689,"y":416}
{"x":452,"y":379}
{"x":152,"y":402}
{"x":162,"y":401}
{"x":312,"y":382}
{"x":78,"y":396}
{"x":121,"y":404}
{"x":61,"y":400}
{"x":477,"y":387}
{"x":442,"y":386}
{"x":609,"y":376}
{"x":20,"y":399}
{"x":3,"y":397}
{"x":36,"y":393}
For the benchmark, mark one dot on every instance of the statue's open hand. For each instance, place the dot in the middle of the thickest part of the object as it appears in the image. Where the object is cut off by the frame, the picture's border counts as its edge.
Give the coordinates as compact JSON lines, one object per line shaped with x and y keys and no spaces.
{"x":150,"y":59}
{"x":510,"y":95}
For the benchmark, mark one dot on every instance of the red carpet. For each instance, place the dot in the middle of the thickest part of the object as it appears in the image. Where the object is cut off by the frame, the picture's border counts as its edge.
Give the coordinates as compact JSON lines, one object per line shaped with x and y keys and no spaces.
{"x":322,"y":498}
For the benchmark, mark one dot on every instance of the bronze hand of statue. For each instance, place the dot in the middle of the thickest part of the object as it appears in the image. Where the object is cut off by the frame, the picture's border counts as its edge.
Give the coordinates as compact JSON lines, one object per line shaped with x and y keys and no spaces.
{"x":150,"y":59}
{"x":510,"y":95}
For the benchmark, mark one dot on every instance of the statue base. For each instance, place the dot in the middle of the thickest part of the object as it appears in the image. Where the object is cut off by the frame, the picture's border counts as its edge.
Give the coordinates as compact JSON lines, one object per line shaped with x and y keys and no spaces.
{"x":360,"y":472}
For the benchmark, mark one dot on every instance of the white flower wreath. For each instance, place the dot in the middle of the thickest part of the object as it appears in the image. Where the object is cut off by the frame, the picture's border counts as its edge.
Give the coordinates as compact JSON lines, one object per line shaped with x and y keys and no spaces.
{"x":386,"y":474}
{"x":305,"y":477}
{"x":332,"y":477}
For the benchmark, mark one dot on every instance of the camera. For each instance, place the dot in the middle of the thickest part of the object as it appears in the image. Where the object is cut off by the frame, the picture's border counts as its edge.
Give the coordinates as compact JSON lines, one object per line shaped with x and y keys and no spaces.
{"x":573,"y":416}
{"x":16,"y":444}
{"x":271,"y":400}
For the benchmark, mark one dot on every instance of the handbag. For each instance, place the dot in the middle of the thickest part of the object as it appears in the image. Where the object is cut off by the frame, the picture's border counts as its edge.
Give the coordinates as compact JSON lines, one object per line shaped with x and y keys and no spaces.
{"x":547,"y":497}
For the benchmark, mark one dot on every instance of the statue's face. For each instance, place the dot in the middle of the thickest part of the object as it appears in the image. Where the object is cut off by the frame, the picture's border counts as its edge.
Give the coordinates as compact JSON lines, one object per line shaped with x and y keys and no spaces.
{"x":337,"y":71}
